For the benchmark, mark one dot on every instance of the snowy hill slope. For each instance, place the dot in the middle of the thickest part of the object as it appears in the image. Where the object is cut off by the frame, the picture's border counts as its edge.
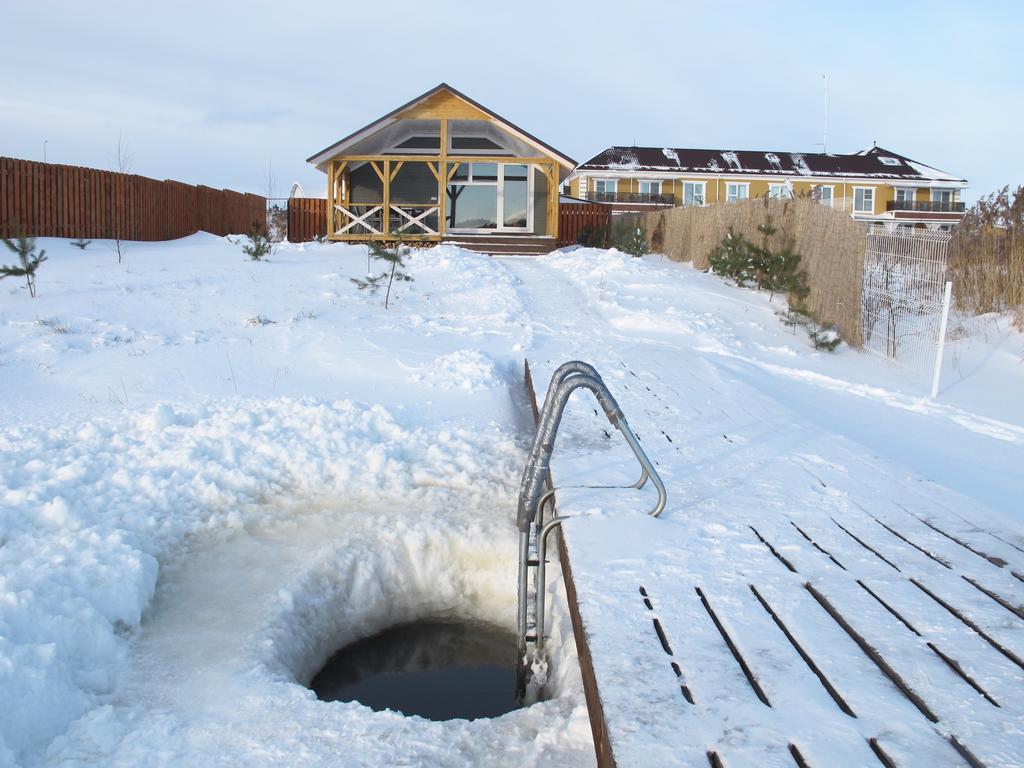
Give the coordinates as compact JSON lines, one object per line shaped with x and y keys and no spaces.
{"x":212,"y":470}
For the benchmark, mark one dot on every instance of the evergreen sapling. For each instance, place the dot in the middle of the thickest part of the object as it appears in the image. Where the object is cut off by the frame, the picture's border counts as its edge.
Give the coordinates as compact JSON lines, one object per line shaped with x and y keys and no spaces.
{"x":631,"y":237}
{"x":258,"y":245}
{"x":394,"y":260}
{"x":25,"y":247}
{"x":732,"y":258}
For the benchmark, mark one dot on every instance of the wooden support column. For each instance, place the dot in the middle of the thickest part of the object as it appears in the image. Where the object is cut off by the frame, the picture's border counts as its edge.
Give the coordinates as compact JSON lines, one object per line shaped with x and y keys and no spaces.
{"x":330,"y":198}
{"x":442,"y":180}
{"x":552,"y":175}
{"x":386,"y":221}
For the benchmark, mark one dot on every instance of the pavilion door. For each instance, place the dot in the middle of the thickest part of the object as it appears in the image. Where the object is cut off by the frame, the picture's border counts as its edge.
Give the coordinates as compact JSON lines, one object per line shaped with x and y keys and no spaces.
{"x":490,"y":197}
{"x":515,"y":201}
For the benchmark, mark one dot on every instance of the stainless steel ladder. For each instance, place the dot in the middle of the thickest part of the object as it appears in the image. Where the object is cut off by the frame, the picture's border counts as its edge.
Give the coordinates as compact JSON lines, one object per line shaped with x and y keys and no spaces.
{"x":536,"y":493}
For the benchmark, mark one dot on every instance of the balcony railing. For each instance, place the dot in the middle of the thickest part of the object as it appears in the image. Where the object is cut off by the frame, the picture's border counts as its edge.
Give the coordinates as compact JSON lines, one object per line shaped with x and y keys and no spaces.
{"x":930,"y":206}
{"x":649,"y":198}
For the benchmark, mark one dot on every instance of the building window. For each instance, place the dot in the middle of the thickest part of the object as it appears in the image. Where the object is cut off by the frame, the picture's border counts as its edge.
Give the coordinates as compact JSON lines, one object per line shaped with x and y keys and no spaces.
{"x":779,"y":191}
{"x":736,"y":191}
{"x":905,"y":196}
{"x":864,"y":200}
{"x":693,"y":193}
{"x":567,"y":188}
{"x":604,"y":189}
{"x":650,"y":187}
{"x":942,"y":196}
{"x":823,"y":194}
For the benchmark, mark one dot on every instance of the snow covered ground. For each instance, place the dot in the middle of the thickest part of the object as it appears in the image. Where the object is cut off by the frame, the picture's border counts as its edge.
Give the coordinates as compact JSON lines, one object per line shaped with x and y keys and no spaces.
{"x":215,"y":472}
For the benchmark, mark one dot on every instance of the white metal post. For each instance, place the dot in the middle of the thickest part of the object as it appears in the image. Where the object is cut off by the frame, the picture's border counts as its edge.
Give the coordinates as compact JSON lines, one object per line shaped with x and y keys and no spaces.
{"x":942,"y":338}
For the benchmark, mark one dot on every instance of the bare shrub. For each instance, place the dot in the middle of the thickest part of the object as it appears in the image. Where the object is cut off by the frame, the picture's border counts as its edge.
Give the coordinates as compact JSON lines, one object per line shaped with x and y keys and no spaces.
{"x":830,"y":243}
{"x":986,"y":256}
{"x":122,"y":161}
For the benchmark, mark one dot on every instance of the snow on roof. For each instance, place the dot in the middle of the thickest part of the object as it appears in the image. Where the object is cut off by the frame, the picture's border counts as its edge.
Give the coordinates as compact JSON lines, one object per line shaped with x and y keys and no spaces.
{"x":874,"y":162}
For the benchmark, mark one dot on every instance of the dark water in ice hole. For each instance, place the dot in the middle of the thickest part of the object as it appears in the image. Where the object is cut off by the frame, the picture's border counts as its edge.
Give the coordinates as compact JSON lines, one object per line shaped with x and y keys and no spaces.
{"x":439,"y":670}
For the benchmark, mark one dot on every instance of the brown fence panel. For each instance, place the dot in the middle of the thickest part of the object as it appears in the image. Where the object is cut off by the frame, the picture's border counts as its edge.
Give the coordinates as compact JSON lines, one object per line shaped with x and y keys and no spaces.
{"x":307,"y":219}
{"x":49,"y":200}
{"x":574,"y":218}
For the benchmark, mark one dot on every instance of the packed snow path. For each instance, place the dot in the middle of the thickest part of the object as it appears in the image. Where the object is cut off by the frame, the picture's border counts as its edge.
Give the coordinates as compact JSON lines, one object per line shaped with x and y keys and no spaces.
{"x":801,"y":601}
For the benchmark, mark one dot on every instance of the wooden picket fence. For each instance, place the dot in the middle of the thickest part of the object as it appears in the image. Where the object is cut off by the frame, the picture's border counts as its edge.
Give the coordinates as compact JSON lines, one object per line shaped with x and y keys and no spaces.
{"x":307,"y":220}
{"x":575,"y":218}
{"x":49,"y":200}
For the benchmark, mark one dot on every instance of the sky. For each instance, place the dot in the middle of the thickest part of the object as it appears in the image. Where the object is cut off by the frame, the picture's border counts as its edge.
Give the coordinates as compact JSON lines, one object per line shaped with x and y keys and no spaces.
{"x":229,"y":94}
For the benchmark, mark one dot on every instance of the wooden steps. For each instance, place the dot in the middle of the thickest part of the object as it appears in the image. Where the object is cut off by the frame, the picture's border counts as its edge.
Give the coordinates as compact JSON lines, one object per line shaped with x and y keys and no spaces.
{"x":504,"y":245}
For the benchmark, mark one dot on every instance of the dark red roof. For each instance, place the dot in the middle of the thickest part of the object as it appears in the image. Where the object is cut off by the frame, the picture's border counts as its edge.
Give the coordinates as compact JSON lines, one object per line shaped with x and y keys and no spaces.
{"x":872,"y":163}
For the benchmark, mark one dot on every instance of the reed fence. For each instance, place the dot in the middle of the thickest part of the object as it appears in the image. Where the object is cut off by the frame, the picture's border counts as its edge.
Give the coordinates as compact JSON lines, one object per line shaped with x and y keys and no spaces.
{"x":986,"y":256}
{"x":50,"y":200}
{"x":831,"y":246}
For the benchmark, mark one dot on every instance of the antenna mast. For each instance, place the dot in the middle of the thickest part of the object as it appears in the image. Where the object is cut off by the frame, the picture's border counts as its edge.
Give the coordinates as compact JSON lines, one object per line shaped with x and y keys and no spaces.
{"x":824,"y":134}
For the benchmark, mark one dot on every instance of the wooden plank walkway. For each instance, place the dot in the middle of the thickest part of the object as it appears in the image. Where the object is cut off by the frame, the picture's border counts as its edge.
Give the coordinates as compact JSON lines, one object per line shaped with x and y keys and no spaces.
{"x":830,"y":624}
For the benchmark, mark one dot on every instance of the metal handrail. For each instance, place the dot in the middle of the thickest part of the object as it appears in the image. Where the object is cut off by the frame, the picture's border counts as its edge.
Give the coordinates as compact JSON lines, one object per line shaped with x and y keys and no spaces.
{"x":566,"y":379}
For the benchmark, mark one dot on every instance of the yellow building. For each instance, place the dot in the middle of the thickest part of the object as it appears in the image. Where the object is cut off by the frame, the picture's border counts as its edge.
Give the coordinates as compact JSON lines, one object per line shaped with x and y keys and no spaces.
{"x":874,"y":185}
{"x":444,"y":167}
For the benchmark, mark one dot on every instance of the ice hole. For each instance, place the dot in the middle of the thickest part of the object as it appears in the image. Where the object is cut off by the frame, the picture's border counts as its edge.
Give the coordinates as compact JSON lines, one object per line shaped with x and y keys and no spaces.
{"x":436,"y":669}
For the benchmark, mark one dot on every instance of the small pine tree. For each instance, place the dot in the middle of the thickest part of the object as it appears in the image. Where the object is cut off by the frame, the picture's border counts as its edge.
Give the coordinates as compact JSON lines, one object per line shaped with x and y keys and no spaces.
{"x":825,"y":338}
{"x":395,"y":257}
{"x":258,"y":245}
{"x":25,"y":247}
{"x":746,"y":263}
{"x":81,"y":243}
{"x":630,"y":236}
{"x":782,"y":274}
{"x":733,"y":258}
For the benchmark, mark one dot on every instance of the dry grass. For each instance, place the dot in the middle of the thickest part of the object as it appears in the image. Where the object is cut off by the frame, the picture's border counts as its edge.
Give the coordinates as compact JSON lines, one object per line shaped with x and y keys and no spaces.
{"x":831,"y":246}
{"x":986,"y":256}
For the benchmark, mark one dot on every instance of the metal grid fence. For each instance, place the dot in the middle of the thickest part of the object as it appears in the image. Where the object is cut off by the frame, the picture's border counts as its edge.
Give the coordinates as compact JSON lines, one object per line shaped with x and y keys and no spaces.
{"x":905,"y":298}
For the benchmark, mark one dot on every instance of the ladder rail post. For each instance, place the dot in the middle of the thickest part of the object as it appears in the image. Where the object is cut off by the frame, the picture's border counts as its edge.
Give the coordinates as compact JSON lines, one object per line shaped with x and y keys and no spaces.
{"x":536,"y":491}
{"x":541,"y":563}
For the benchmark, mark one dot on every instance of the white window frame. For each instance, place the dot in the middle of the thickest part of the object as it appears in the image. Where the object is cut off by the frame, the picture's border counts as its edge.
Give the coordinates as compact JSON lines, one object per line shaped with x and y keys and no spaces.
{"x":869,"y":191}
{"x":703,"y":186}
{"x":499,"y":185}
{"x":938,"y":193}
{"x":606,"y":182}
{"x":831,"y":194}
{"x":781,"y":188}
{"x":649,"y":182}
{"x":736,"y":185}
{"x":905,"y":192}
